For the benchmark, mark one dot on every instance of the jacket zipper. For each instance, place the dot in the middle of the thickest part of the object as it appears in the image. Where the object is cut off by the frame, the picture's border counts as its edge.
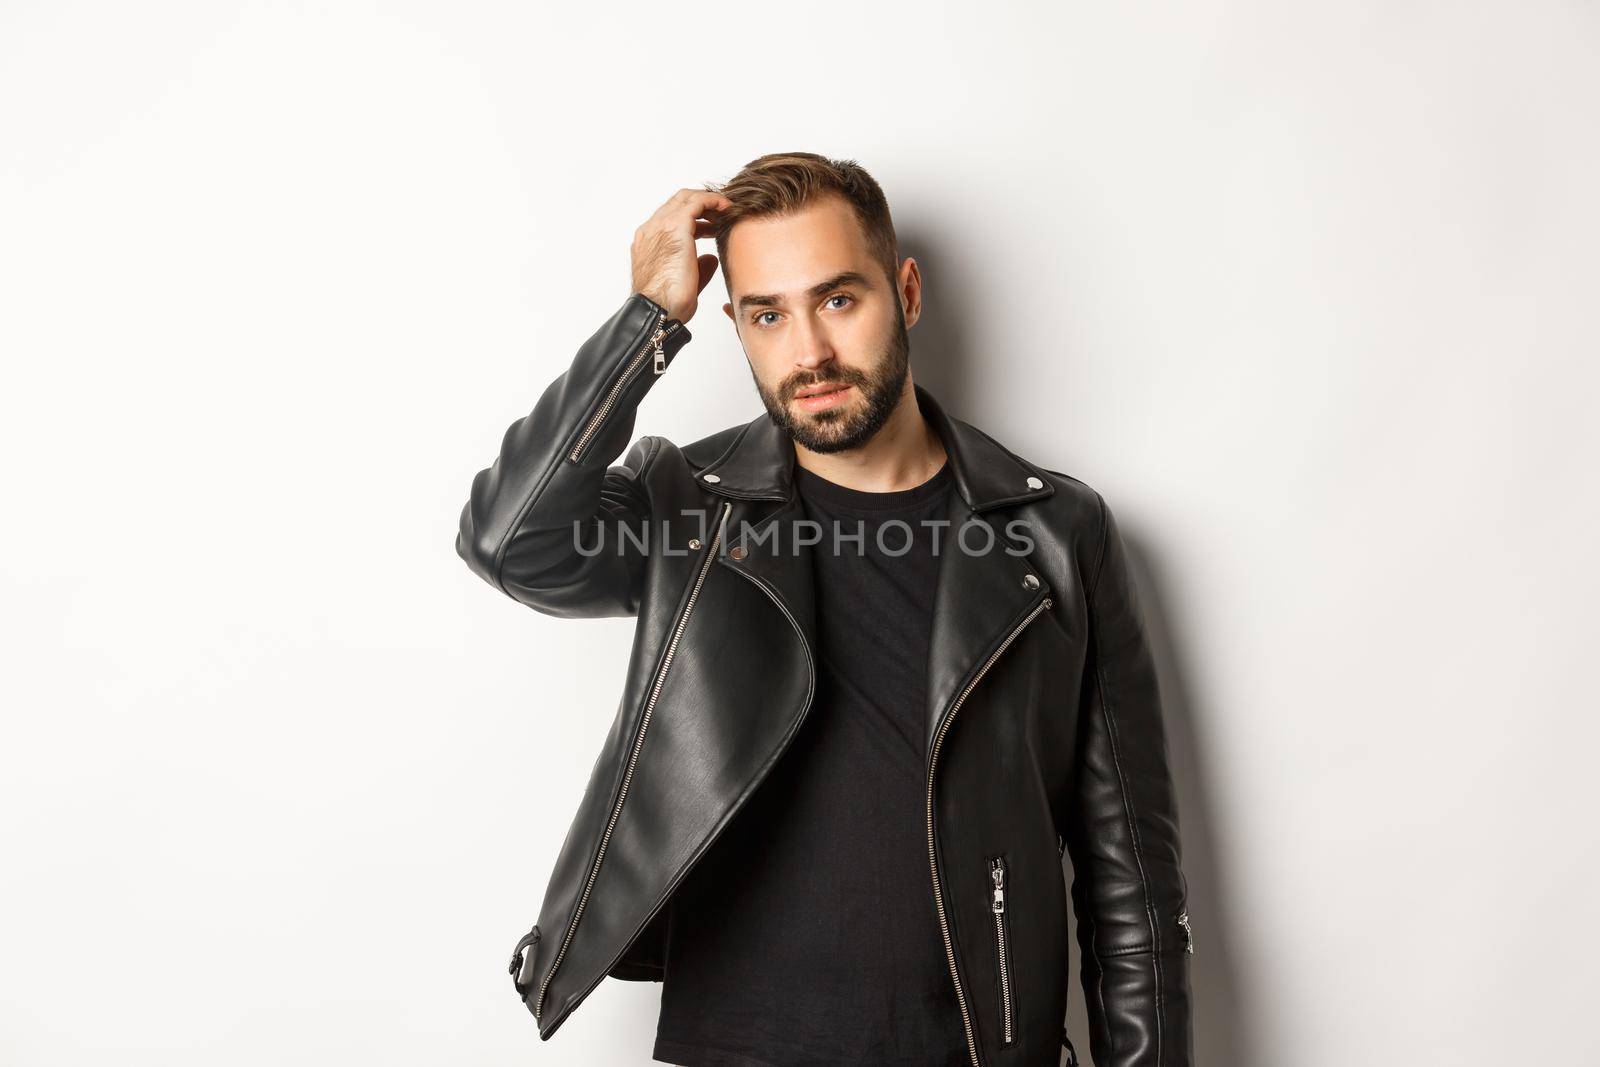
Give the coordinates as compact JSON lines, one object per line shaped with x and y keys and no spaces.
{"x":997,"y":874}
{"x":633,"y":759}
{"x":1188,"y":935}
{"x":664,"y":329}
{"x":933,"y":856}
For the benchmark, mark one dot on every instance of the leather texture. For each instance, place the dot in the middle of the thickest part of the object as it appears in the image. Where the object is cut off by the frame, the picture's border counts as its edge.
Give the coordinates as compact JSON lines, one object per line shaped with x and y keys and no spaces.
{"x":1044,"y":720}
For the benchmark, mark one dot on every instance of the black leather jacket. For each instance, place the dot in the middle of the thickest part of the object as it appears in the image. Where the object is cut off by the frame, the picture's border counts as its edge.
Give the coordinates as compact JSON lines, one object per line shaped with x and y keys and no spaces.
{"x":1044,"y":722}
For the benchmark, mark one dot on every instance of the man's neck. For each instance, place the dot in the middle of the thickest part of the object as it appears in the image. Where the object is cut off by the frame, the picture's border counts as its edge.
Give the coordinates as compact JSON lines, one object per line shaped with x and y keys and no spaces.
{"x":902,"y":455}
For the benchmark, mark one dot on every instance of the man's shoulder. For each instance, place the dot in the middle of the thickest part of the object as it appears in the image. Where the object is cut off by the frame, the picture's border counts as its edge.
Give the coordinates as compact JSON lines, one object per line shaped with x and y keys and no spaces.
{"x":1069,"y":492}
{"x":703,"y":452}
{"x":1068,"y":522}
{"x":696,"y":455}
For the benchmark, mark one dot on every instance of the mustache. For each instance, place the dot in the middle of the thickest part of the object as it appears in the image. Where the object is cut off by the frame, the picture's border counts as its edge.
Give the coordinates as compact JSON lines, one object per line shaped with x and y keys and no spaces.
{"x":833,"y":376}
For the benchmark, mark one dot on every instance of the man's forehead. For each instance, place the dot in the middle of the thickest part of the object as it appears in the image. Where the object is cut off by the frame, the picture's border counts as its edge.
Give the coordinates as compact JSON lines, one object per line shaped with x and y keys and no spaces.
{"x":793,"y":255}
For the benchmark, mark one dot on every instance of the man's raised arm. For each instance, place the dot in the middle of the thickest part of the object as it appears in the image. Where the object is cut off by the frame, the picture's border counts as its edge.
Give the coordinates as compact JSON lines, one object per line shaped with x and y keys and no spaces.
{"x":544,"y":521}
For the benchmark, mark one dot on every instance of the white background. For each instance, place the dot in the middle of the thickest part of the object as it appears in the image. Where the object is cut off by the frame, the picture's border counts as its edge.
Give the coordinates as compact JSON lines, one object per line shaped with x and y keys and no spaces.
{"x":1307,"y":291}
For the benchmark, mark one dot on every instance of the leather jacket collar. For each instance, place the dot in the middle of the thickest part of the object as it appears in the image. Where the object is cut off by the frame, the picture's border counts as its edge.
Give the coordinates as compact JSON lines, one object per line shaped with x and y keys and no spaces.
{"x":759,"y":464}
{"x":980,"y":594}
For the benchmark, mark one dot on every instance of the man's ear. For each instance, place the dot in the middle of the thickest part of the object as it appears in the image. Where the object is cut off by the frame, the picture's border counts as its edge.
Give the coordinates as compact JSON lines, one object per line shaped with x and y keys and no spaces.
{"x":727,"y":309}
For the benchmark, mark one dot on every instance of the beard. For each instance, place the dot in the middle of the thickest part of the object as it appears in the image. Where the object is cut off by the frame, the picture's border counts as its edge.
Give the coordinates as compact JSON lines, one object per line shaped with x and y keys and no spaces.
{"x":839,"y":429}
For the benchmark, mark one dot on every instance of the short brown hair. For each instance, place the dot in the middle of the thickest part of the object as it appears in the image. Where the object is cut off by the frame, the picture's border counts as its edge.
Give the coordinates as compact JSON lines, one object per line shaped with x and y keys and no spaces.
{"x":781,"y":183}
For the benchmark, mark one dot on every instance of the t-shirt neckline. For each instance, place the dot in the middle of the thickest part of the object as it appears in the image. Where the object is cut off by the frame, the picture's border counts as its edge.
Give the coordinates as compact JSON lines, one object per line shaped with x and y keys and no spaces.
{"x":816,"y":487}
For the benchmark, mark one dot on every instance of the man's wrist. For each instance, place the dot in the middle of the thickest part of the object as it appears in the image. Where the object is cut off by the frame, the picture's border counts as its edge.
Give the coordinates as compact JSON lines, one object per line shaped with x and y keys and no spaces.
{"x":656,"y":297}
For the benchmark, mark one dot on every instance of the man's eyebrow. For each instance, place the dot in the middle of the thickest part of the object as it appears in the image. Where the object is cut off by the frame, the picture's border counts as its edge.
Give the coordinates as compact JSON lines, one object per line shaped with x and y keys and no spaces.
{"x":849,"y":277}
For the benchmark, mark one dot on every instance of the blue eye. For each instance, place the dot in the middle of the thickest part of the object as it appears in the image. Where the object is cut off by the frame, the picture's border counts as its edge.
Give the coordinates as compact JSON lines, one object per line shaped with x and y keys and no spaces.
{"x":763,"y":314}
{"x":839,"y":296}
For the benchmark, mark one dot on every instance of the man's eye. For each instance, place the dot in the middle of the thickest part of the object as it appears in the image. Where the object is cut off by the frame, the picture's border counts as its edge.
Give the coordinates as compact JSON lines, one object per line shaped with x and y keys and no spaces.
{"x":839,"y":296}
{"x":761,"y":315}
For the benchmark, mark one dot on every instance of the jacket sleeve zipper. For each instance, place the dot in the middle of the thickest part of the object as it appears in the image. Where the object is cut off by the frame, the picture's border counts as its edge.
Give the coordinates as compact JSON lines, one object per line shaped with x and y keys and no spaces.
{"x":664,"y":328}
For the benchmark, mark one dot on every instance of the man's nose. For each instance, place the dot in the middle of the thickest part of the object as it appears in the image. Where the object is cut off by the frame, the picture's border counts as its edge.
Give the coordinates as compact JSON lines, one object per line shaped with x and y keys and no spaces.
{"x":813,"y":348}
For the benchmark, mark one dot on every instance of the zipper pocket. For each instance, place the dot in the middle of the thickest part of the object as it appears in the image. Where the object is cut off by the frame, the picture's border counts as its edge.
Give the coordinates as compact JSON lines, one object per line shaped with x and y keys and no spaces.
{"x":633,"y":758}
{"x":933,"y":855}
{"x":664,"y":328}
{"x":1002,"y":944}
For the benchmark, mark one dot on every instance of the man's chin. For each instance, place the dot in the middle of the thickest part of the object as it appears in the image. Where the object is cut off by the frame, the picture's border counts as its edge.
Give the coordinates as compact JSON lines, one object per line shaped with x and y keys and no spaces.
{"x":834,"y":422}
{"x":832,"y":432}
{"x":833,"y":429}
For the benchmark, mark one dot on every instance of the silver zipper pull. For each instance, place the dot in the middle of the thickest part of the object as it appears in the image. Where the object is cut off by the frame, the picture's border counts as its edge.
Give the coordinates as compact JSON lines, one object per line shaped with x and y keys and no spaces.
{"x":660,"y":353}
{"x":1188,"y":935}
{"x":998,"y":873}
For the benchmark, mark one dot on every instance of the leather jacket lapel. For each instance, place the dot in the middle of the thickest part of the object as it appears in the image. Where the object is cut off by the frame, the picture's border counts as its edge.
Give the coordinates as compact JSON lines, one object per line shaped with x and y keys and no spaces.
{"x":759,"y":541}
{"x":983,"y":592}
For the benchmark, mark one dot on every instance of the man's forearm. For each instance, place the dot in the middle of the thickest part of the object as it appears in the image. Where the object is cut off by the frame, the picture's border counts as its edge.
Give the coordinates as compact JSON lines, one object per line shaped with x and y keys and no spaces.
{"x":517,"y":527}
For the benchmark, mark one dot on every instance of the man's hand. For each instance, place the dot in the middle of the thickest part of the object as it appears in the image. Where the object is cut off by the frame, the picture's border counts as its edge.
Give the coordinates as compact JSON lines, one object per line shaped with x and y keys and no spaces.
{"x":665,"y":267}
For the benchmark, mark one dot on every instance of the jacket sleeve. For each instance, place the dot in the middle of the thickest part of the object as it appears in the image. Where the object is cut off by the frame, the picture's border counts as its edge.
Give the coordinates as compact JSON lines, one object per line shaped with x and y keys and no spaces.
{"x":549,"y":523}
{"x":1128,"y":890}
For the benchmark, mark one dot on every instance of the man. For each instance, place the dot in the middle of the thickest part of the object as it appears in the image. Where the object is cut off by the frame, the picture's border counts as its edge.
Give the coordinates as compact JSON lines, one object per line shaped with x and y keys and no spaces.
{"x":885,"y":673}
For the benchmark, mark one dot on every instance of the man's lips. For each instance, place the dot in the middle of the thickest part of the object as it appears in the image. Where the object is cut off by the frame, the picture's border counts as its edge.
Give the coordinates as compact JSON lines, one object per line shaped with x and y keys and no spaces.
{"x":820,"y":397}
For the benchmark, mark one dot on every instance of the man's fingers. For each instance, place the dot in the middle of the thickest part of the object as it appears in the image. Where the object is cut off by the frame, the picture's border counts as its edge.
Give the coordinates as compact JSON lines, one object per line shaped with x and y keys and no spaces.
{"x":687,"y":206}
{"x":702,"y":228}
{"x":698,"y":202}
{"x":692,"y":195}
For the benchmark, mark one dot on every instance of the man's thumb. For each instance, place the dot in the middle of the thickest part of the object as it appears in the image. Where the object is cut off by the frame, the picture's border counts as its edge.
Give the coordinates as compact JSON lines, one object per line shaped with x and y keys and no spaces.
{"x":708,"y":267}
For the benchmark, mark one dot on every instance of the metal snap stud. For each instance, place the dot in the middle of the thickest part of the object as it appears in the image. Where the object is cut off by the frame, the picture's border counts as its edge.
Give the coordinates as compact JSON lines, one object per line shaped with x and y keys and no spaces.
{"x":1030,"y":581}
{"x":694,"y":542}
{"x":1035,"y":483}
{"x":712,"y":478}
{"x":737,"y":552}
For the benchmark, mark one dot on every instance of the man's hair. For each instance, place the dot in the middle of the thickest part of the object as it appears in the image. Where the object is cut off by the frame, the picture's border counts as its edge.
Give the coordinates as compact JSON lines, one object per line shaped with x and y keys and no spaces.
{"x":782,"y":183}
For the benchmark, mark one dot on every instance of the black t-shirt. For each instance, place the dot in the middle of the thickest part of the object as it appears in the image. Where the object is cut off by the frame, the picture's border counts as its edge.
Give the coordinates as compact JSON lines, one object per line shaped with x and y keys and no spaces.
{"x":807,"y":933}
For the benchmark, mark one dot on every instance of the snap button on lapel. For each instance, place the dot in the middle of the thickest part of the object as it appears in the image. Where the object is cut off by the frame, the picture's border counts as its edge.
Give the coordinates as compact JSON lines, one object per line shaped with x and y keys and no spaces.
{"x":694,"y":542}
{"x":1030,"y":581}
{"x":1035,"y":483}
{"x":737,"y":552}
{"x":712,"y":478}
